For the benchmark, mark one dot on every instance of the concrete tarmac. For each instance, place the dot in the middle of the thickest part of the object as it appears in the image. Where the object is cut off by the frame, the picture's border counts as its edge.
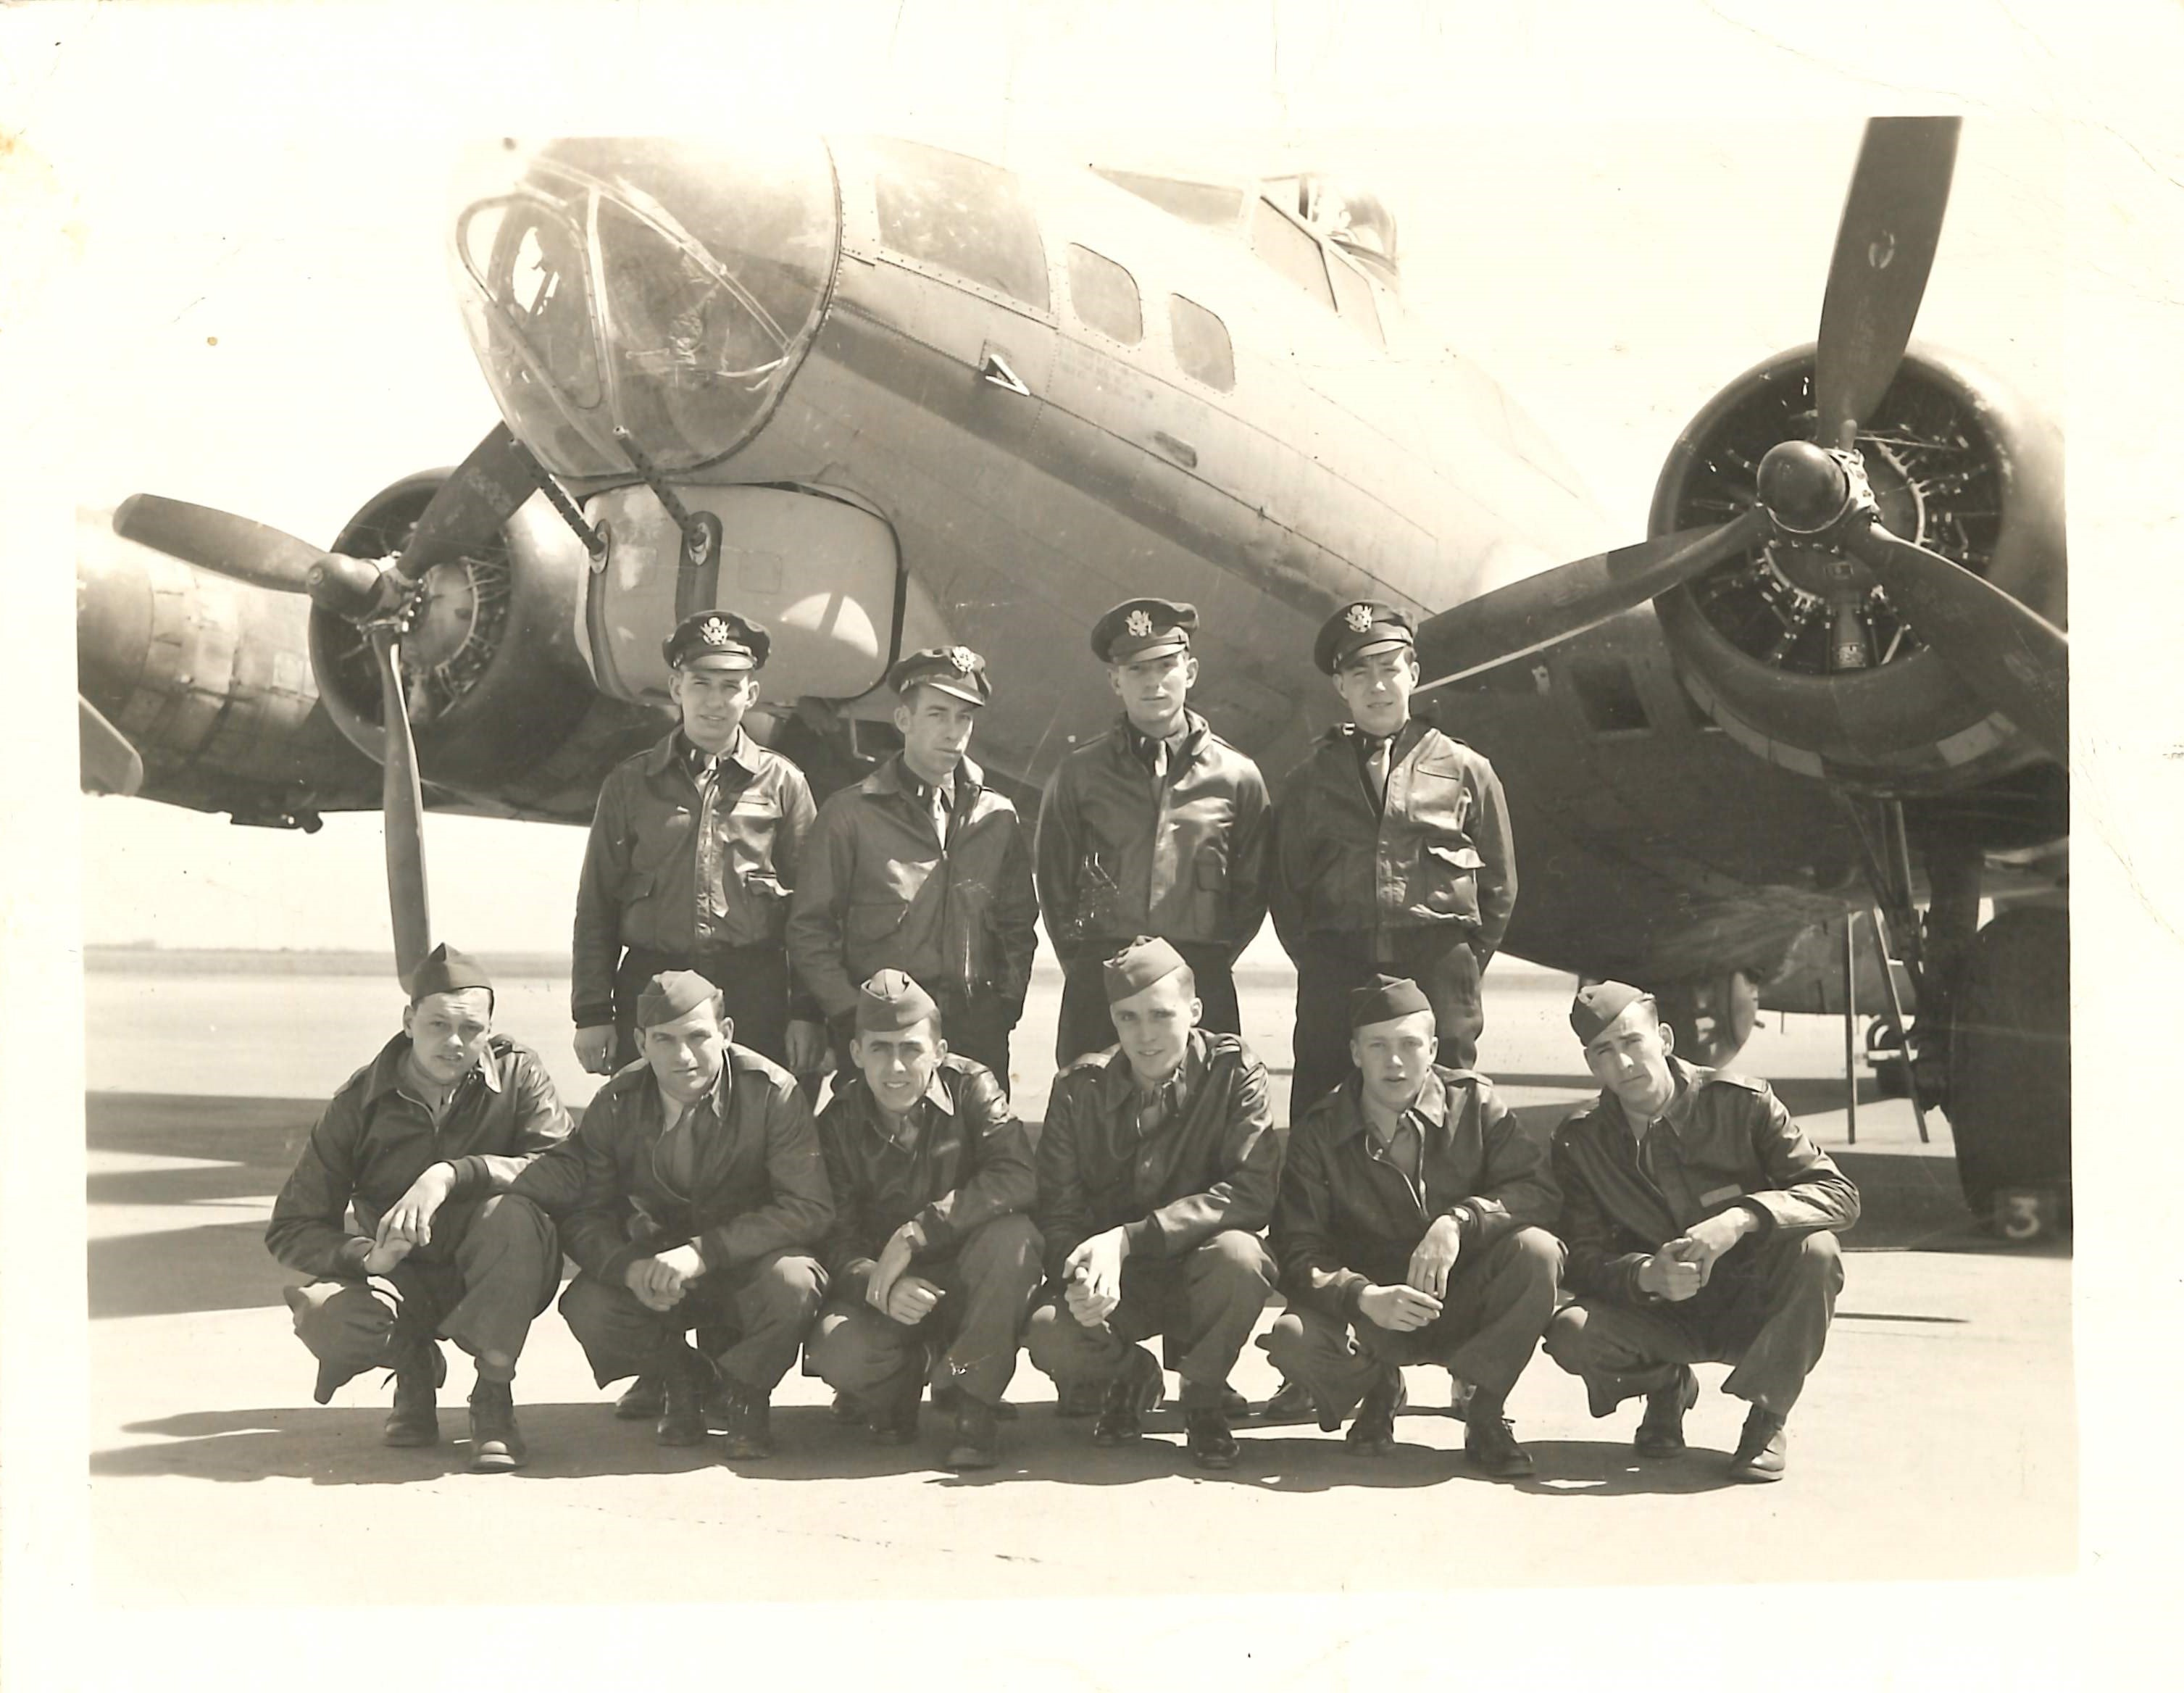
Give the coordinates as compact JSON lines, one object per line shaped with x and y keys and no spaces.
{"x":1937,"y":1438}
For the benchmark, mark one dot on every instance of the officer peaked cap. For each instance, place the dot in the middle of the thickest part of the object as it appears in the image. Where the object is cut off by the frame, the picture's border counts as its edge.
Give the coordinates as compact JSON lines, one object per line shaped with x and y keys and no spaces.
{"x":1143,"y":629}
{"x":890,"y":1001}
{"x":737,"y":642}
{"x":447,"y":971}
{"x":1137,"y":965}
{"x":1363,"y":626}
{"x":952,"y":670}
{"x":671,"y":995}
{"x":1600,"y":1004}
{"x":1384,"y":999}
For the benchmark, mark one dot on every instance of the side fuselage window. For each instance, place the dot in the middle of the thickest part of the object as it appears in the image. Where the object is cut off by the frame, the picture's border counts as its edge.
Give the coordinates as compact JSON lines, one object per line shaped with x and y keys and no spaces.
{"x":963,"y":215}
{"x":1106,"y":296}
{"x":1202,"y":347}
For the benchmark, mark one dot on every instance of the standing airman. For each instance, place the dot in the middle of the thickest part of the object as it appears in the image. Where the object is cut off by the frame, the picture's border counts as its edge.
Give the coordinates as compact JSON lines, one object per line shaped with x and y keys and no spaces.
{"x":922,"y":868}
{"x":1158,"y":828}
{"x":1392,"y":854}
{"x":693,"y":856}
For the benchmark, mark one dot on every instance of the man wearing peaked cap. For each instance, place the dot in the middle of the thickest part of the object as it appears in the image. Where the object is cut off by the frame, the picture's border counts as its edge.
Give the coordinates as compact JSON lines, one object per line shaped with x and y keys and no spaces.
{"x":694,"y":853}
{"x":1392,"y":854}
{"x":1411,"y":1229}
{"x":693,"y":1196}
{"x":922,"y":868}
{"x":932,"y":1257}
{"x":1702,"y":1227}
{"x":423,"y":1144}
{"x":1158,"y":826}
{"x":1157,"y":1170}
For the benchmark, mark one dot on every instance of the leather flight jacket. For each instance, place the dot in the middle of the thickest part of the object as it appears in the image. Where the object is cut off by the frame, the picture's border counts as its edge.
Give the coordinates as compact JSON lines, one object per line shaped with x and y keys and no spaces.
{"x":1437,"y":853}
{"x":642,"y":886}
{"x":878,"y":890}
{"x":1121,"y":855}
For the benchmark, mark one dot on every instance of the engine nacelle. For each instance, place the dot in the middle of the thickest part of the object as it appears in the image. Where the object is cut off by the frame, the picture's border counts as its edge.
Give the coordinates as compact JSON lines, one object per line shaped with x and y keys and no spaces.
{"x":490,"y":666}
{"x":1959,"y":466}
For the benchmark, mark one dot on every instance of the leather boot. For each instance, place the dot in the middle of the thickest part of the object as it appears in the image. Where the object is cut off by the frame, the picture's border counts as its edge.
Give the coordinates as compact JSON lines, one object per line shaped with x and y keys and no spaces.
{"x":1762,"y":1452}
{"x":977,"y":1441}
{"x":687,"y":1381}
{"x":1133,"y":1393}
{"x":1491,"y":1443}
{"x":1661,"y":1429}
{"x":1373,"y":1434}
{"x":419,"y":1368}
{"x":641,"y":1400}
{"x":1208,"y":1439}
{"x":750,"y":1432}
{"x":496,"y":1442}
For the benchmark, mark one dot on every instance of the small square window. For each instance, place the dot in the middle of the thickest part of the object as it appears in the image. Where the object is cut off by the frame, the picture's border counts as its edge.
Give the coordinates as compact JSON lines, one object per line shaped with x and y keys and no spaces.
{"x":1106,"y":296}
{"x":1202,"y":347}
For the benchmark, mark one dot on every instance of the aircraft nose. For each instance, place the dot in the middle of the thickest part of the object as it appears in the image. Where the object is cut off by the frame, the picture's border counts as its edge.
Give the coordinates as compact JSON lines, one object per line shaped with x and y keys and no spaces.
{"x":665,"y":287}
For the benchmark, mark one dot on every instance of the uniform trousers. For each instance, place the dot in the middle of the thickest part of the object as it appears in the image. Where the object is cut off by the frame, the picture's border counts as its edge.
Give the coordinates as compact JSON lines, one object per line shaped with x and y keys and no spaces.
{"x":502,"y":1262}
{"x":1331,"y":967}
{"x":750,"y":1319}
{"x":1205,"y":1301}
{"x":1498,"y":1301}
{"x":988,"y":1283}
{"x":1768,"y":1314}
{"x":1085,"y":1026}
{"x":753,"y":984}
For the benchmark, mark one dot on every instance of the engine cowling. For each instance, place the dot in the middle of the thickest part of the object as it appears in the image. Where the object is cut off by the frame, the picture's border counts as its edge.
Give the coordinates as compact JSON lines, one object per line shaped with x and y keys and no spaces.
{"x":1793,"y":649}
{"x":494,"y":681}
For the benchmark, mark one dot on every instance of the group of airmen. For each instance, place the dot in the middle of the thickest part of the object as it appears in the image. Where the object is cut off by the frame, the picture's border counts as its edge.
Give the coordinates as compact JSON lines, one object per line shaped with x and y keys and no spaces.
{"x":733,"y":944}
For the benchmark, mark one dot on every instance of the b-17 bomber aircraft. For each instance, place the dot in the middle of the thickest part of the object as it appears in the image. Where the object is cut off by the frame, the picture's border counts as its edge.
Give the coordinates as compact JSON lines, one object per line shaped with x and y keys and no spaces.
{"x":884,"y":397}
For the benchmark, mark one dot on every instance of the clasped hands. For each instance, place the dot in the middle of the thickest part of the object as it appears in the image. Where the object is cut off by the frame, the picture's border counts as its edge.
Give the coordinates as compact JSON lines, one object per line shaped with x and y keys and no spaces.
{"x":892,"y":1291}
{"x":1417,"y":1300}
{"x":660,"y":1280}
{"x":1685,"y":1265}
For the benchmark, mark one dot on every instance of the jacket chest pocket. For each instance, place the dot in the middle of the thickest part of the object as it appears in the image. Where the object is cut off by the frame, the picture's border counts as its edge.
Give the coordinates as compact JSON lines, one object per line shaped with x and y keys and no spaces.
{"x":662,"y":839}
{"x":1209,"y":883}
{"x":1448,"y":878}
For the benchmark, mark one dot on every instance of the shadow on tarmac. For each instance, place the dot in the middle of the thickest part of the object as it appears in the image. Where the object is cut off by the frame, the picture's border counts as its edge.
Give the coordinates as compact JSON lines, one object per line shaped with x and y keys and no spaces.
{"x":219,"y":1266}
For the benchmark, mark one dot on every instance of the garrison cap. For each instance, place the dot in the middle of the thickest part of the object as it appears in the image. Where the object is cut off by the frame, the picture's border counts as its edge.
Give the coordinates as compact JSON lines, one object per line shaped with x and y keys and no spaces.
{"x":1363,"y":626}
{"x":1143,"y":629}
{"x":671,"y":995}
{"x":1384,"y":999}
{"x":444,"y":969}
{"x":1600,"y":1004}
{"x":1137,"y":967}
{"x":952,"y":670}
{"x":729,"y":642}
{"x":892,"y":1001}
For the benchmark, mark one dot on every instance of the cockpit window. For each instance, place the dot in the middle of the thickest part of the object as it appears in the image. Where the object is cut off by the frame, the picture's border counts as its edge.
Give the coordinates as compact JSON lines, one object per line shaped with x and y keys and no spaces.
{"x":1215,"y":204}
{"x":962,"y":215}
{"x":1290,"y":251}
{"x":663,"y":287}
{"x":1354,"y":298}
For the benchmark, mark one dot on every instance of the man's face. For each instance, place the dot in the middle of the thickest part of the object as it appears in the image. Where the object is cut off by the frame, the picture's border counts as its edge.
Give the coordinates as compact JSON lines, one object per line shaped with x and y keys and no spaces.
{"x":898,"y":1064}
{"x":1377,"y":689}
{"x":1394,"y":1057}
{"x":448,"y":1031}
{"x":1154,"y":1025}
{"x":1153,"y":690}
{"x":685,"y":1055}
{"x":1630,"y":1058}
{"x":712,"y":698}
{"x":936,"y":729}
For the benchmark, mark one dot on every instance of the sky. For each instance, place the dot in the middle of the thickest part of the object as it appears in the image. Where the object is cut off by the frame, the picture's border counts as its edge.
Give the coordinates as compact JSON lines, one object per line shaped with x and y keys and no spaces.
{"x":271,"y":328}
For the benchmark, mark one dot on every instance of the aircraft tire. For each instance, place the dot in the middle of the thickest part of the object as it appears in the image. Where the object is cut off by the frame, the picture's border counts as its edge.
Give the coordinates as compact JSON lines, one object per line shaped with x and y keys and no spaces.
{"x":2009,"y":1064}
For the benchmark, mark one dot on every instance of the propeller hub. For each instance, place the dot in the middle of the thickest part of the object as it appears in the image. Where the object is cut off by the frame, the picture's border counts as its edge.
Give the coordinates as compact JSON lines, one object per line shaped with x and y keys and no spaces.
{"x":354,"y":588}
{"x":1805,"y":488}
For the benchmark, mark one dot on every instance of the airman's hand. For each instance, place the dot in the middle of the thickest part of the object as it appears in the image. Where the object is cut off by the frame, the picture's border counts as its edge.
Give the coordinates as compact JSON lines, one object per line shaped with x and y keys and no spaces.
{"x":385,"y":1255}
{"x":1096,"y":1267}
{"x":595,"y":1048}
{"x":894,"y":1258}
{"x":1434,"y":1257}
{"x":912,"y":1300}
{"x":807,"y":1047}
{"x":1706,"y":1239}
{"x":1398,"y":1308}
{"x":1666,"y":1276}
{"x":410,"y":1217}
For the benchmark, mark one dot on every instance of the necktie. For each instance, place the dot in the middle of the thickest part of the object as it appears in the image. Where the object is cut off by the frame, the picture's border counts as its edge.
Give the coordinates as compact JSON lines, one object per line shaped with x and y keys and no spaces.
{"x":1376,"y":766}
{"x":1158,"y":757}
{"x":940,"y":812}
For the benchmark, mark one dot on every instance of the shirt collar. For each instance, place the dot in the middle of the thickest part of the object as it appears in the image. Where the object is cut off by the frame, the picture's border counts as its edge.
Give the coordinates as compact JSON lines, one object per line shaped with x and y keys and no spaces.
{"x":1672,"y":1113}
{"x":1180,"y":745}
{"x":737,"y":752}
{"x":1431,"y":1105}
{"x":1121,"y":1083}
{"x":387,"y":1068}
{"x":934,"y":1095}
{"x":895,"y":776}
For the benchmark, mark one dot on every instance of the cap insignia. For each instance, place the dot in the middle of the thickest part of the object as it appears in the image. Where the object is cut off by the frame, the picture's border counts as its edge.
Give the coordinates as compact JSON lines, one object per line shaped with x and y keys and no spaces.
{"x":714,"y":632}
{"x":963,"y":658}
{"x":1359,"y":617}
{"x":1140,"y":622}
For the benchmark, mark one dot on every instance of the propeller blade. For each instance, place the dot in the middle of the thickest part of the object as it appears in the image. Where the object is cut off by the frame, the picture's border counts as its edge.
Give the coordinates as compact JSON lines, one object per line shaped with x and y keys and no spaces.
{"x":1520,"y":618}
{"x":110,"y":764}
{"x":401,"y":806}
{"x":2014,"y":659}
{"x":485,"y":490}
{"x":1891,"y":222}
{"x":217,"y":541}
